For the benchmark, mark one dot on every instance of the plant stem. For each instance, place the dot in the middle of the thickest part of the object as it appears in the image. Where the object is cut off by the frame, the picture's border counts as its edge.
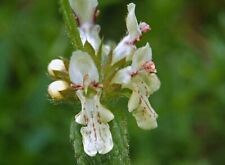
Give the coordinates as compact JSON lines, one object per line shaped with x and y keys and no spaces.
{"x":71,"y":25}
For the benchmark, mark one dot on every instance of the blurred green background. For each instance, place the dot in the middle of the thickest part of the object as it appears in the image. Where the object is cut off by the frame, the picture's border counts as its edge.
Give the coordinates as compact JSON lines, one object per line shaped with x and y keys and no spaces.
{"x":188,"y":42}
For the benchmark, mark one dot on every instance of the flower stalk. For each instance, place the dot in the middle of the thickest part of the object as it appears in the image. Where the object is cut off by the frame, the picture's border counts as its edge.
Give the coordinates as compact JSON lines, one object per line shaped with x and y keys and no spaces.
{"x":97,"y":73}
{"x":120,"y":153}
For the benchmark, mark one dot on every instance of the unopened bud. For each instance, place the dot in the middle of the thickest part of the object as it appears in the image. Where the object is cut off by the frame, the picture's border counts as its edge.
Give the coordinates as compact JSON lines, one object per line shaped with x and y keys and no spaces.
{"x":56,"y":65}
{"x":55,"y":89}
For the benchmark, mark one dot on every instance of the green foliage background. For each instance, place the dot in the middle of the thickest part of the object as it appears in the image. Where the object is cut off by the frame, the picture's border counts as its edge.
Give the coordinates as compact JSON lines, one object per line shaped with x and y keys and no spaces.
{"x":188,"y":41}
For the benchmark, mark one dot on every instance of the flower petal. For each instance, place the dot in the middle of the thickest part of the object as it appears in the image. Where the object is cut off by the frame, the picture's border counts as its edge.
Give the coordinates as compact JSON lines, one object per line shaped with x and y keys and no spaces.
{"x":145,"y":114}
{"x":152,"y":81}
{"x":126,"y":46}
{"x":106,"y":115}
{"x":96,"y":135}
{"x":132,"y":23}
{"x":141,"y":56}
{"x":84,"y":9}
{"x":90,"y":33}
{"x":82,"y":65}
{"x":123,"y":76}
{"x":123,"y":49}
{"x":93,"y":37}
{"x":139,"y":105}
{"x":98,"y":141}
{"x":133,"y":102}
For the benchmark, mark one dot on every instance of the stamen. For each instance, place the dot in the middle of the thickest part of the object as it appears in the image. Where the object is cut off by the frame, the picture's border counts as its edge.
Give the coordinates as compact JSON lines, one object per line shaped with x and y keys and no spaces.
{"x":149,"y":66}
{"x":77,"y":86}
{"x":97,"y":85}
{"x":144,"y":27}
{"x":134,"y":73}
{"x":96,"y":14}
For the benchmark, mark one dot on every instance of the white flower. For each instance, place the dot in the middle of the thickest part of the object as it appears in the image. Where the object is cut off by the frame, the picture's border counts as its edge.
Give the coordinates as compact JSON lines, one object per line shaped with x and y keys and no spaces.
{"x":56,"y":65}
{"x":85,"y":10}
{"x":139,"y":103}
{"x":82,"y":66}
{"x":55,"y":89}
{"x":132,"y":23}
{"x":126,"y":47}
{"x":90,"y":33}
{"x":140,"y":77}
{"x":141,"y":57}
{"x":96,"y":135}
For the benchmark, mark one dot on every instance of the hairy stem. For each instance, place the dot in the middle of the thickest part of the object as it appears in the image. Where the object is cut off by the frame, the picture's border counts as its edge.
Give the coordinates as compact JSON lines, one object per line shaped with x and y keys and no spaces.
{"x":71,"y":25}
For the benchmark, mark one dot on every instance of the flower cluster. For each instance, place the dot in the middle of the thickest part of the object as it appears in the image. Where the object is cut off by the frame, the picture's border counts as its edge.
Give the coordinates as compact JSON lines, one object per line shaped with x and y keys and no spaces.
{"x":98,"y":69}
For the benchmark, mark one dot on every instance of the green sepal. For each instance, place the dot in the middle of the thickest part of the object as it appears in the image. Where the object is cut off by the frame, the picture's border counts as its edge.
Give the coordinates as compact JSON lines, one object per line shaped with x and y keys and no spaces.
{"x":90,"y":50}
{"x":60,"y":75}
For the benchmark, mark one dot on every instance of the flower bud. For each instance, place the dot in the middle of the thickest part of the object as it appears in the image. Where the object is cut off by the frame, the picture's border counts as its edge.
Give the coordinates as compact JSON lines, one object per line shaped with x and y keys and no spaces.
{"x":56,"y":65}
{"x":55,"y":89}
